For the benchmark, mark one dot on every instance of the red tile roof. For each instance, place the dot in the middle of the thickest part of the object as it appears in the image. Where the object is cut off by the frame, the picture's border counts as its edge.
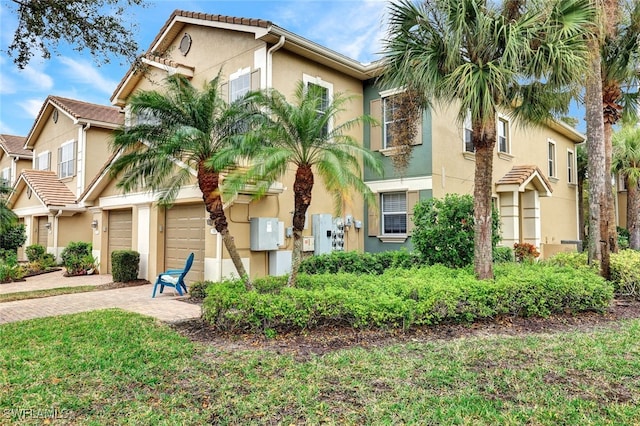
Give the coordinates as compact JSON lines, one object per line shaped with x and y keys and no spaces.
{"x":84,"y":110}
{"x":520,"y":174}
{"x":49,"y":188}
{"x":14,"y":145}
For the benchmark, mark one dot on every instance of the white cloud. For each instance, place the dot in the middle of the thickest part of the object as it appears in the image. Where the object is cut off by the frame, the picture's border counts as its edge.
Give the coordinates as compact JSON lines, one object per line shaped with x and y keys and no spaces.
{"x":38,"y":80}
{"x":31,"y":106}
{"x":84,"y":72}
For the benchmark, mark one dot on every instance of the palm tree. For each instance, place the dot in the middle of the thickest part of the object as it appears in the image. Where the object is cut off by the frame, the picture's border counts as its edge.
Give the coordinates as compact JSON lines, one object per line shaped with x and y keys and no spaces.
{"x":581,"y":160}
{"x":175,"y":134}
{"x":626,"y":162}
{"x":486,"y":57}
{"x":620,"y":55}
{"x":301,"y":135}
{"x":7,"y":217}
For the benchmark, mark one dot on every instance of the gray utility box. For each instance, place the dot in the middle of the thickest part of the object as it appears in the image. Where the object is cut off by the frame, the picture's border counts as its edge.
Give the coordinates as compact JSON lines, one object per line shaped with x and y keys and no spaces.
{"x":322,"y":233}
{"x":264,"y":233}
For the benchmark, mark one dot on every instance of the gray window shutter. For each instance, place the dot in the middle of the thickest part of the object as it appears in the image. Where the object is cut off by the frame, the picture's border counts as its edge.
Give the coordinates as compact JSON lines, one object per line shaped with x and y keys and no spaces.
{"x":374,"y":219}
{"x":224,"y":92}
{"x":60,"y":161}
{"x":418,"y":139}
{"x":48,"y":160}
{"x":73,"y":162}
{"x":375,"y":133}
{"x":255,"y":80}
{"x":413,"y":197}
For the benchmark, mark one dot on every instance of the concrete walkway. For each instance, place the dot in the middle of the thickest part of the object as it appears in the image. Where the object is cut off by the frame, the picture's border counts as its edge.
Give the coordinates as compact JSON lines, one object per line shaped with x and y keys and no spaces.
{"x":166,"y":307}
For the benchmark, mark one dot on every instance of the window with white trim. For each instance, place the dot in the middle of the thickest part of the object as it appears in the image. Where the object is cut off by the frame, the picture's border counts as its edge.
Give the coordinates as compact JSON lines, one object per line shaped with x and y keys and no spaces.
{"x":326,"y":93}
{"x":394,"y":213}
{"x":389,"y":108}
{"x":504,"y":144}
{"x":468,"y":134}
{"x":66,"y":159}
{"x":43,"y":161}
{"x":571,"y":167}
{"x":239,"y":84}
{"x":5,"y":177}
{"x":551,"y":158}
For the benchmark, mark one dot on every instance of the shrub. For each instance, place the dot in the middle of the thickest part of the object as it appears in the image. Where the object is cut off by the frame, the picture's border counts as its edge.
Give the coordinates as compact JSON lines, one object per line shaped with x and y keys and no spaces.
{"x":10,"y":272}
{"x":502,"y":255}
{"x":125,"y":265}
{"x":525,"y":252}
{"x":13,"y":237}
{"x":623,"y":238}
{"x":198,"y":290}
{"x":625,"y":272}
{"x":443,"y":231}
{"x":404,"y":298}
{"x":571,"y":259}
{"x":77,"y":258}
{"x":9,"y":257}
{"x":359,"y":263}
{"x":34,"y":252}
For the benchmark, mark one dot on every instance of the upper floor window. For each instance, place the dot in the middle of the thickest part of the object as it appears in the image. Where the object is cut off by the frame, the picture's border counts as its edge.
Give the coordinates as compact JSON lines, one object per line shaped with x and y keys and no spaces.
{"x":5,"y":177}
{"x":468,"y":134}
{"x":325,"y":91}
{"x":503,"y":136}
{"x":394,"y":212}
{"x":551,"y":158}
{"x":239,"y":84}
{"x":390,"y":107}
{"x":66,"y":159}
{"x":43,"y":161}
{"x":571,"y":167}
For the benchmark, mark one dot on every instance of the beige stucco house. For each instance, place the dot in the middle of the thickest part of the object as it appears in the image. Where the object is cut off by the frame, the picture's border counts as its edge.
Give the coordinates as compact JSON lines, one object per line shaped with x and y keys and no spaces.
{"x":14,"y":158}
{"x":70,"y":144}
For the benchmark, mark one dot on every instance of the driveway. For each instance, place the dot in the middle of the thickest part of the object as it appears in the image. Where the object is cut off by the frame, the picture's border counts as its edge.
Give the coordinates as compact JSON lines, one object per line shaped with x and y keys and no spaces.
{"x":166,"y":307}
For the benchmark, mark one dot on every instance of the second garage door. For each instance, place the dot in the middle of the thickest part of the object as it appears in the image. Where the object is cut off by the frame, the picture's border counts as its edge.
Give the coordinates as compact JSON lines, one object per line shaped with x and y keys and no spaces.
{"x":119,"y":232}
{"x":184,"y":233}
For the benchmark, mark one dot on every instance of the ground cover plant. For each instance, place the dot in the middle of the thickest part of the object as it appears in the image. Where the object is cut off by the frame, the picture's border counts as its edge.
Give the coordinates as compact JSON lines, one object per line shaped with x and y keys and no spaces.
{"x":404,"y":298}
{"x":112,"y":367}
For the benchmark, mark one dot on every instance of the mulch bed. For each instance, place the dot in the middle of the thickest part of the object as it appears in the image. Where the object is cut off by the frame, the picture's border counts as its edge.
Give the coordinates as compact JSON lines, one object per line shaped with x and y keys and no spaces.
{"x":326,"y":339}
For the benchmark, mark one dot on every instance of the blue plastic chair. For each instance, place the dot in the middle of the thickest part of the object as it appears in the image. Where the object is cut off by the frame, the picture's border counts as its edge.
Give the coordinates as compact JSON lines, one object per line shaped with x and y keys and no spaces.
{"x":174,"y":278}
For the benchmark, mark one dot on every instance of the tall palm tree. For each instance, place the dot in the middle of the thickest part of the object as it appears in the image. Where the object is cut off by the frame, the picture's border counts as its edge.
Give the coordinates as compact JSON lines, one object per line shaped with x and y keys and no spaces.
{"x":7,"y":217}
{"x":626,"y":162}
{"x":301,"y":135}
{"x":486,"y":57}
{"x":176,"y":133}
{"x":620,"y":55}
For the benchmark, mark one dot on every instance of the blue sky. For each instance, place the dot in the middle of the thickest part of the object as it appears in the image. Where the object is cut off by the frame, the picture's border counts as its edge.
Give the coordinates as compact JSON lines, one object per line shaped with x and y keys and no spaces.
{"x":351,"y":27}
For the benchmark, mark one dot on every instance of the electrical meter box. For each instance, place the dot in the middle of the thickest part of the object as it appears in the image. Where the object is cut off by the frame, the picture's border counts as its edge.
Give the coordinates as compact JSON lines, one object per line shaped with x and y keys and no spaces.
{"x":264,"y":233}
{"x":322,"y":233}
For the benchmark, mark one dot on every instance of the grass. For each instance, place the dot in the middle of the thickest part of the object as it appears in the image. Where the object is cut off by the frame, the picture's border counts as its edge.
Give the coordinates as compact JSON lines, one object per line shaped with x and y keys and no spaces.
{"x":112,"y":367}
{"x":37,"y":294}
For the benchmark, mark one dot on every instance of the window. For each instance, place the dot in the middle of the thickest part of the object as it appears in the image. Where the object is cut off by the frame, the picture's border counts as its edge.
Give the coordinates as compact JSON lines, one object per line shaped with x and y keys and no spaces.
{"x":42,"y":161}
{"x":394,"y":213}
{"x":5,"y":177}
{"x":468,"y":135}
{"x":325,"y":90}
{"x":503,"y":136}
{"x":66,"y":157}
{"x":551,"y":159}
{"x":239,"y":84}
{"x":571,"y":167}
{"x":389,"y":106}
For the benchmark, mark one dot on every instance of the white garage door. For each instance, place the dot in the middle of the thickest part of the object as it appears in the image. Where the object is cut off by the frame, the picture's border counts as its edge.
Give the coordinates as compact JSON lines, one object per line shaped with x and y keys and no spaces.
{"x":119,"y":232}
{"x":184,"y":233}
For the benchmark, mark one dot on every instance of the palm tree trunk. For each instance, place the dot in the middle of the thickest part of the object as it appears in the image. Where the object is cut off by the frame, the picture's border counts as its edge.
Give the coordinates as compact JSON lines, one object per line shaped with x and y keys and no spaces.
{"x":612,"y":232}
{"x":598,"y":250}
{"x":302,"y":191}
{"x":633,"y":214}
{"x":208,"y":182}
{"x":484,"y":139}
{"x":581,"y":233}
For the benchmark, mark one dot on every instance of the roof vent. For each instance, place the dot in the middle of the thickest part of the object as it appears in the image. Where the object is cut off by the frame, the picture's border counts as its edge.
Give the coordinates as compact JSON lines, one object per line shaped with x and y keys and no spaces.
{"x":185,"y":44}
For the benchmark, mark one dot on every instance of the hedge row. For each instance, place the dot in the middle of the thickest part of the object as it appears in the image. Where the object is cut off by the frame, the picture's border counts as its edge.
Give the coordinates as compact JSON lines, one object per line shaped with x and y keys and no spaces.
{"x":359,"y":263}
{"x":404,"y":298}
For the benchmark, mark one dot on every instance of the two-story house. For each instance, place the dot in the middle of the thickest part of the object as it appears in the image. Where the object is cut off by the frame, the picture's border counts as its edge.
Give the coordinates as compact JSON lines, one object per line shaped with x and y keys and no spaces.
{"x":70,"y":144}
{"x":14,"y":158}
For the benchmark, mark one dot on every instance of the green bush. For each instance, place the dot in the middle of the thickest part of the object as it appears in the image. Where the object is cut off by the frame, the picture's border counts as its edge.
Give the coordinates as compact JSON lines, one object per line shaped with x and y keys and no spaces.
{"x":625,"y":272}
{"x":359,"y":263}
{"x":10,"y":271}
{"x":198,"y":290}
{"x":13,"y":237}
{"x":77,"y":258}
{"x":125,"y":265}
{"x":571,"y":259}
{"x":623,"y":238}
{"x":443,"y":231}
{"x":404,"y":298}
{"x":525,"y":252}
{"x":9,"y":257}
{"x":503,"y":254}
{"x":34,"y":252}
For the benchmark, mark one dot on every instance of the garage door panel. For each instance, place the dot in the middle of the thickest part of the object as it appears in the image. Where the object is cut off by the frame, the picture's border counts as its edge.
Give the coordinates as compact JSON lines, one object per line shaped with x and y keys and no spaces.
{"x":184,"y":234}
{"x":120,"y":229}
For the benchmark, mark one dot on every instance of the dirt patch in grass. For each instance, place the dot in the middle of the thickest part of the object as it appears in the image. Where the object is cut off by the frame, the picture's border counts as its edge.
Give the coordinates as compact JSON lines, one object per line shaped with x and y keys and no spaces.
{"x":326,"y":339}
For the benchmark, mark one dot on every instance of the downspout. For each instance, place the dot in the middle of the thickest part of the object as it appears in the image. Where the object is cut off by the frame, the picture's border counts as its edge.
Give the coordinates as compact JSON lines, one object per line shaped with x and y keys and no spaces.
{"x":270,"y":52}
{"x":82,"y":158}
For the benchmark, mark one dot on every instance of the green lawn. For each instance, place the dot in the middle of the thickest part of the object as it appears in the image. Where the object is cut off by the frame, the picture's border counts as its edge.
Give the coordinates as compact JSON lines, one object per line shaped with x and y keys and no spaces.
{"x":112,"y":367}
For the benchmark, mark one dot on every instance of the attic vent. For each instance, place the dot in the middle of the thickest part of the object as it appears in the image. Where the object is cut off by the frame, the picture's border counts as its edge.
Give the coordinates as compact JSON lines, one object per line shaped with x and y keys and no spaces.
{"x":185,"y":44}
{"x":55,"y":115}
